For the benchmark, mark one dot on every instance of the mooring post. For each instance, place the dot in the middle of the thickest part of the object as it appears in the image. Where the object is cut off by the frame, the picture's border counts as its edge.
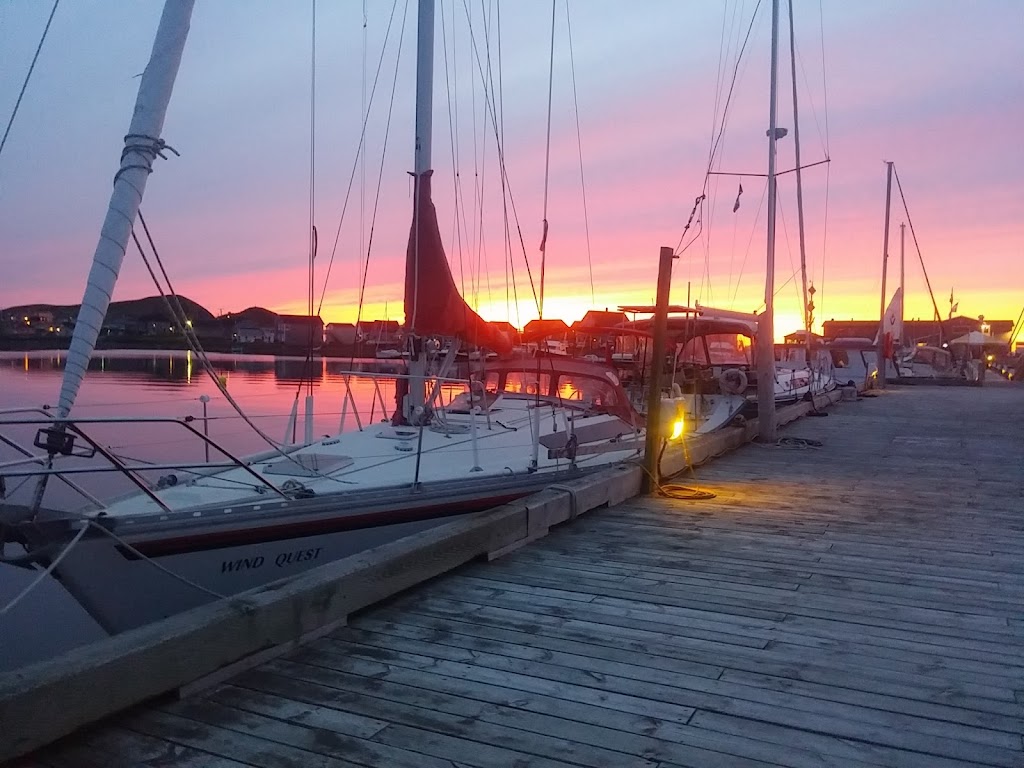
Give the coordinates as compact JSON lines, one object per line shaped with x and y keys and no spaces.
{"x":654,"y":435}
{"x":204,"y":399}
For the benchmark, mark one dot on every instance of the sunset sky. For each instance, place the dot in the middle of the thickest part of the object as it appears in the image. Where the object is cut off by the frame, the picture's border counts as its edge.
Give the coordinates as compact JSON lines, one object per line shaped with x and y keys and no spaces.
{"x":937,"y":86}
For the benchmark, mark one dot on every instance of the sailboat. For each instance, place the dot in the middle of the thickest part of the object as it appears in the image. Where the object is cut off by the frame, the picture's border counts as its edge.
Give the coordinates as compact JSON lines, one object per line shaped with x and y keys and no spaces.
{"x":208,"y":530}
{"x":900,"y":360}
{"x":720,"y":384}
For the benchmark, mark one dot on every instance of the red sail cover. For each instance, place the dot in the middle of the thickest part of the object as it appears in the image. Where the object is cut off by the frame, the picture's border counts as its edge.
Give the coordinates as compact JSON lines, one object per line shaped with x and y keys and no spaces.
{"x":433,"y":305}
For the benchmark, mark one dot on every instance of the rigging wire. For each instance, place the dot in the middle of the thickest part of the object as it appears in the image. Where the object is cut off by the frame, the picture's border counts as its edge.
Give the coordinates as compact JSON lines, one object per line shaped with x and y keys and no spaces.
{"x":360,"y":153}
{"x":360,"y":150}
{"x":509,"y":262}
{"x":709,"y":206}
{"x":750,"y":241}
{"x":450,"y":76}
{"x":490,"y":111}
{"x":500,"y":138}
{"x":805,"y":312}
{"x":312,"y":193}
{"x":579,"y":148}
{"x":547,"y":163}
{"x":910,"y":222}
{"x":380,"y":174}
{"x":28,"y":76}
{"x":828,"y":167}
{"x":179,"y":315}
{"x":718,"y":138}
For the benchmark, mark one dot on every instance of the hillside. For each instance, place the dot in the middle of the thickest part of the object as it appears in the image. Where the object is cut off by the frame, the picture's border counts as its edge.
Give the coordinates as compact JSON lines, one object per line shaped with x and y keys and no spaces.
{"x":143,"y":310}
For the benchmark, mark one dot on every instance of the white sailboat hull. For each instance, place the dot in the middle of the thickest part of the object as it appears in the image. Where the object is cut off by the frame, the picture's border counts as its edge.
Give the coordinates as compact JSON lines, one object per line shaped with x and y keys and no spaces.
{"x":184,"y":567}
{"x":214,"y":536}
{"x":122,"y":592}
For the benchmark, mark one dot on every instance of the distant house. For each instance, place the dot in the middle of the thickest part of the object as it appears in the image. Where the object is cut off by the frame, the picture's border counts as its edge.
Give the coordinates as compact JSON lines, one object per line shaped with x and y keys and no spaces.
{"x":249,"y":334}
{"x":920,"y":331}
{"x":300,"y":329}
{"x":545,"y":329}
{"x":379,"y":332}
{"x":340,"y":333}
{"x":800,"y":337}
{"x":505,"y":327}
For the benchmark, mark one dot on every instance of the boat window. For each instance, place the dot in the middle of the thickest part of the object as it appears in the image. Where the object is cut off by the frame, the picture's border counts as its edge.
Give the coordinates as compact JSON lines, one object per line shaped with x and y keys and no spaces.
{"x":588,"y":390}
{"x":840,"y":358}
{"x":481,"y":399}
{"x":724,"y":349}
{"x":528,"y":383}
{"x":693,"y":352}
{"x":490,"y":379}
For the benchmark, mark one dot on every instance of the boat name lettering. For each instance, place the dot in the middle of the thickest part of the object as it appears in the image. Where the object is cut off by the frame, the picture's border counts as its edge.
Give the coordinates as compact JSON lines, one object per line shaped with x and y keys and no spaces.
{"x":242,"y":564}
{"x":298,"y":556}
{"x":280,"y":560}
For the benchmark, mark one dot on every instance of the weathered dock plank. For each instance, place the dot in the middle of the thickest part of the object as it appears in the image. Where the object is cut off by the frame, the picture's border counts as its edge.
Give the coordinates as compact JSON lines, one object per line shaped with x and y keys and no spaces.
{"x":850,"y":605}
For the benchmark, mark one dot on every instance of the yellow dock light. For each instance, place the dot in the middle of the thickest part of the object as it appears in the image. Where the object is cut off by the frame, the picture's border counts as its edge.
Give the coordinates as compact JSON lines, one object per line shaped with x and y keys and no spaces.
{"x":677,"y":429}
{"x":673,"y":420}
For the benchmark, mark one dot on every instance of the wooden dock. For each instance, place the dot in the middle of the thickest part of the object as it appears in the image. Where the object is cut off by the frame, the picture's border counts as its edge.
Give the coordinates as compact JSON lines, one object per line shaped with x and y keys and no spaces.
{"x":859,"y":603}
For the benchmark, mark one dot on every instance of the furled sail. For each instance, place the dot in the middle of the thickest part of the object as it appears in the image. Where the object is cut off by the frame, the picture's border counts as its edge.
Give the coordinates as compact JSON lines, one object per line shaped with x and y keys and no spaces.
{"x":892,"y":323}
{"x":433,"y":304}
{"x":142,"y":145}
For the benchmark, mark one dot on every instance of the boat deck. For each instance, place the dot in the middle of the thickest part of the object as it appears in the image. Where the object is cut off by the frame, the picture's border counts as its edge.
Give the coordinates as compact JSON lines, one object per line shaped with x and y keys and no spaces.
{"x":861,"y":603}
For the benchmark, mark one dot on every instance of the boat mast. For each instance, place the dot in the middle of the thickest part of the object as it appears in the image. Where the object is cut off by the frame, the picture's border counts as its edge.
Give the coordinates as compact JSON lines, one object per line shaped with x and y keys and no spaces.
{"x":766,"y":321}
{"x":142,"y":146}
{"x":799,"y":188}
{"x":421,"y":169}
{"x":903,"y":290}
{"x":424,"y":86}
{"x":880,"y":353}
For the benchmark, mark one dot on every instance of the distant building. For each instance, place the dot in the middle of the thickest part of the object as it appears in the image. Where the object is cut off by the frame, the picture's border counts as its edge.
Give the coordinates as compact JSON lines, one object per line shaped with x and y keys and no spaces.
{"x":505,"y":327}
{"x":800,"y":337}
{"x":546,"y":329}
{"x":921,"y":331}
{"x":251,"y":334}
{"x":379,"y":332}
{"x":340,"y":333}
{"x":299,"y":329}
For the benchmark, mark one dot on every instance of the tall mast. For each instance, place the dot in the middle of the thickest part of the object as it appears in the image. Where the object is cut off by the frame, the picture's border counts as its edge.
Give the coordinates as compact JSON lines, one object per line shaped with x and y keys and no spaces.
{"x":421,"y":170}
{"x":424,"y":86}
{"x":799,"y":186}
{"x":142,"y":146}
{"x":880,"y":353}
{"x":766,"y":321}
{"x":903,"y":289}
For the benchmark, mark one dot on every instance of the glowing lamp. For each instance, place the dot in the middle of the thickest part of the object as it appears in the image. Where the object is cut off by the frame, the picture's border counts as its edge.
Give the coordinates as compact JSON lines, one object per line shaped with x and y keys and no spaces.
{"x":677,"y":429}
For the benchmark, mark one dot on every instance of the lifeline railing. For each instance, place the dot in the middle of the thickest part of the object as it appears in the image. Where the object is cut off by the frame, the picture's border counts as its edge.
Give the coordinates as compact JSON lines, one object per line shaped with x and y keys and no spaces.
{"x":57,"y":437}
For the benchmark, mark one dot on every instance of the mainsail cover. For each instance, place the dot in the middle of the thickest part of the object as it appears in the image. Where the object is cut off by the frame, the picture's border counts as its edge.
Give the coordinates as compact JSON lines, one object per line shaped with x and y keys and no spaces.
{"x":433,"y":304}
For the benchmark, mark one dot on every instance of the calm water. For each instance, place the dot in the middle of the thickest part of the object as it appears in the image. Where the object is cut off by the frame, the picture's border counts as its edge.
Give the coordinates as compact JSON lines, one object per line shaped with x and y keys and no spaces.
{"x":161,"y":384}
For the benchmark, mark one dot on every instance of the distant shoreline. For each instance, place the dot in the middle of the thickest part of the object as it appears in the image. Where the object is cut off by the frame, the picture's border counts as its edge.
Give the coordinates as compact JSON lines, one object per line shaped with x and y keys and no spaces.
{"x":223,"y":346}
